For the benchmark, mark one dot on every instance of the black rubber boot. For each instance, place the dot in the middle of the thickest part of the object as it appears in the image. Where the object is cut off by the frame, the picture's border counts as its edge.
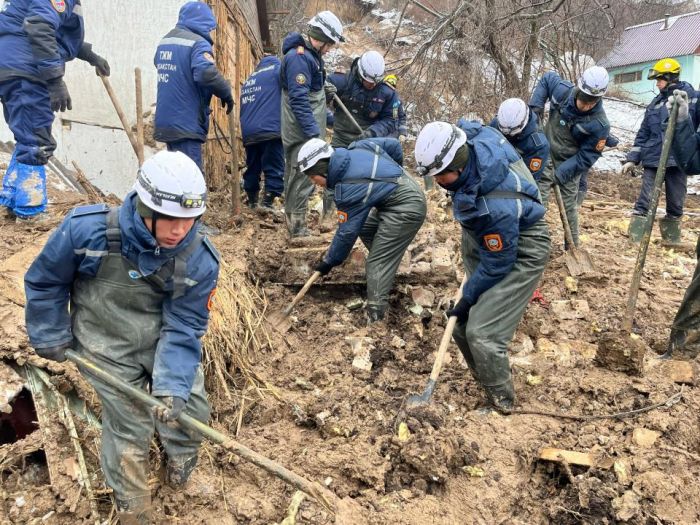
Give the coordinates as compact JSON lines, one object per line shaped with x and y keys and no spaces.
{"x":268,"y":200}
{"x":375,"y":313}
{"x":501,"y":396}
{"x":178,"y":472}
{"x":252,"y":200}
{"x":129,"y":515}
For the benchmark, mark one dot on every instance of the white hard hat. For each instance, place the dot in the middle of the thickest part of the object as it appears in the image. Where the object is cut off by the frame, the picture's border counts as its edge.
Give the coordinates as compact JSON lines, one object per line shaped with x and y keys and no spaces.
{"x":513,"y":116}
{"x":371,"y":67}
{"x":594,"y":81}
{"x":329,"y":24}
{"x":312,"y":151}
{"x":436,"y":146}
{"x":170,"y":183}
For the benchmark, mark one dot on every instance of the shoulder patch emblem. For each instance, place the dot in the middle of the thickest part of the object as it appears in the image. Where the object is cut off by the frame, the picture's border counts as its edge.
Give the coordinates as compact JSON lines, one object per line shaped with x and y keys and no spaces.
{"x":210,"y":300}
{"x":300,"y":50}
{"x":600,"y":146}
{"x":59,"y":5}
{"x":342,"y":217}
{"x":535,"y":164}
{"x":208,"y":57}
{"x":493,"y":242}
{"x":301,"y":79}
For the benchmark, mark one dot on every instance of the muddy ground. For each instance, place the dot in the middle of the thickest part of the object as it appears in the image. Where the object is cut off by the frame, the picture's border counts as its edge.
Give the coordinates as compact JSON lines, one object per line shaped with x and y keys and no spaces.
{"x":454,"y":462}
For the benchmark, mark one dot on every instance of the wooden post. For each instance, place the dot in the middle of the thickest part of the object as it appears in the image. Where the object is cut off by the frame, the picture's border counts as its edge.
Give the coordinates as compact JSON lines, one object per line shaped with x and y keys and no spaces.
{"x":139,"y":114}
{"x":235,"y":172}
{"x":120,"y":113}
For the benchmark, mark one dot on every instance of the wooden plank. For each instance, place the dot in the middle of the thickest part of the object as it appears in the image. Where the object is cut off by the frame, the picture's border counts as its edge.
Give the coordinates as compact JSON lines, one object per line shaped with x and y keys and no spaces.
{"x":572,"y":458}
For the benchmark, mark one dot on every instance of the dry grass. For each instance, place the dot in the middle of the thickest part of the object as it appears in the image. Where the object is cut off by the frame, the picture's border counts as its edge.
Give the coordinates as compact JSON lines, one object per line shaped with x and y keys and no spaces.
{"x":237,"y":334}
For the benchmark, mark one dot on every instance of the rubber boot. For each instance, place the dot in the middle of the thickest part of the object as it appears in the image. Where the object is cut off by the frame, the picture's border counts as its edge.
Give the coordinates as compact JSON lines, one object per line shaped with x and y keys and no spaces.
{"x":178,"y":471}
{"x":296,"y":225}
{"x":130,"y":514}
{"x":683,"y":345}
{"x":375,"y":313}
{"x":670,"y":228}
{"x":501,"y":396}
{"x":635,"y":232}
{"x":580,"y":197}
{"x":268,"y":201}
{"x":252,"y":199}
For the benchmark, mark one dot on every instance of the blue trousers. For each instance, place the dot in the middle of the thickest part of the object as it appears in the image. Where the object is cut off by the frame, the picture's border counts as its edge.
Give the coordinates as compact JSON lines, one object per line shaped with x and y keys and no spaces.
{"x":27,"y":111}
{"x":676,"y":189}
{"x":264,"y":157}
{"x":191,"y":148}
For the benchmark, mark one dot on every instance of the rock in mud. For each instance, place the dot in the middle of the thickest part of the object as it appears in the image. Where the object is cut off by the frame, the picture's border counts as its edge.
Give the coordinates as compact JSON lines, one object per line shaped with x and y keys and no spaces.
{"x":621,"y":352}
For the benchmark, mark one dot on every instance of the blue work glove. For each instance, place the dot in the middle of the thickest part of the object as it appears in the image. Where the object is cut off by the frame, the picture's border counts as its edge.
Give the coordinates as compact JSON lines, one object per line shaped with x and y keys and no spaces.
{"x":174,"y":408}
{"x":460,"y":310}
{"x":54,"y":353}
{"x":367,"y":134}
{"x":323,"y":268}
{"x":58,"y":94}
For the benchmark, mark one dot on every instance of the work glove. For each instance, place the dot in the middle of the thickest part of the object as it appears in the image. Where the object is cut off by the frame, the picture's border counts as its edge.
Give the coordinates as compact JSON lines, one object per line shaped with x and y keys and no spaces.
{"x":323,"y":268}
{"x":172,"y":412}
{"x":227,"y":102}
{"x":54,"y":353}
{"x":460,"y":310}
{"x":58,"y":93}
{"x":539,"y":112}
{"x":88,"y":55}
{"x":628,"y":169}
{"x":366,"y":134}
{"x":330,"y":90}
{"x":682,"y":98}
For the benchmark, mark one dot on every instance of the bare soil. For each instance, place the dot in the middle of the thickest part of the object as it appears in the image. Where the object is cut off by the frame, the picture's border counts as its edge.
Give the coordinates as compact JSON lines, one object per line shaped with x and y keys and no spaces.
{"x":453,"y":462}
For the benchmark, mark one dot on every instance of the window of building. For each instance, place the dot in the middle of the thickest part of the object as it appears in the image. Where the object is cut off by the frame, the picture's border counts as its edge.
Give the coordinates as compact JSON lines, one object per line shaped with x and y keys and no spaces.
{"x":632,"y":76}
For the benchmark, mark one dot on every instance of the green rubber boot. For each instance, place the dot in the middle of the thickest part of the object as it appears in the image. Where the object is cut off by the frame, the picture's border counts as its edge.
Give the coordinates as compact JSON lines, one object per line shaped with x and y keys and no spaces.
{"x":670,"y":230}
{"x":635,"y":232}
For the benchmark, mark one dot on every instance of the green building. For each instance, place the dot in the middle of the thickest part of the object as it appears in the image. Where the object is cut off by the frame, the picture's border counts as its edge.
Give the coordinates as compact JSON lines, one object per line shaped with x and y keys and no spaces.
{"x":641,"y":46}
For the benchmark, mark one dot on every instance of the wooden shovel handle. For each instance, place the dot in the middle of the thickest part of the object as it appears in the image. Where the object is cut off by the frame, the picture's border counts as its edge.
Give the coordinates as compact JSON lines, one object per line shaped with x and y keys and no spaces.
{"x":314,"y":277}
{"x":121,"y":115}
{"x":345,"y":110}
{"x":446,"y":336}
{"x":564,"y":219}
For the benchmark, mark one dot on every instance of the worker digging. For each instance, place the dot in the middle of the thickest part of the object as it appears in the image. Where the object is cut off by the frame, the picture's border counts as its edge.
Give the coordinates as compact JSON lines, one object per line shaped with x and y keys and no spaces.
{"x":391,"y":325}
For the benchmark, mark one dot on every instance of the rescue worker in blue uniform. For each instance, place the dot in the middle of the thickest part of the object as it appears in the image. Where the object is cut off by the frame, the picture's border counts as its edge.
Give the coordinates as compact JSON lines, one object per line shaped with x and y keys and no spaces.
{"x":303,"y":78}
{"x":577,"y":131}
{"x":521,"y":127}
{"x":505,"y":241}
{"x":399,"y":112}
{"x":130,"y":288}
{"x":187,"y":79}
{"x":684,"y":341}
{"x":370,"y":101}
{"x":377,"y":201}
{"x":647,"y":151}
{"x":260,"y":127}
{"x":36,"y":41}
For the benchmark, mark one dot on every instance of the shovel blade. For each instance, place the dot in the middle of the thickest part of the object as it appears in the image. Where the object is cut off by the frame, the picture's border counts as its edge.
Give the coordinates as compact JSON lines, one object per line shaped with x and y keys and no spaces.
{"x":578,"y":262}
{"x":279,"y":321}
{"x":419,"y":400}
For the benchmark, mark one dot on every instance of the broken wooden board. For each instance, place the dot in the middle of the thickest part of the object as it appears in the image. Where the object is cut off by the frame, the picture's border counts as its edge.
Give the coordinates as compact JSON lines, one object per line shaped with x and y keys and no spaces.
{"x":559,"y":455}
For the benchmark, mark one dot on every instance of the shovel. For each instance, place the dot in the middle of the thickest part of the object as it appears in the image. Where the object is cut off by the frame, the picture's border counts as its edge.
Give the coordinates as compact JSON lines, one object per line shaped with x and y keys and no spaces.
{"x":343,"y":509}
{"x":419,"y":400}
{"x":345,"y":110}
{"x":279,"y":319}
{"x":578,"y":261}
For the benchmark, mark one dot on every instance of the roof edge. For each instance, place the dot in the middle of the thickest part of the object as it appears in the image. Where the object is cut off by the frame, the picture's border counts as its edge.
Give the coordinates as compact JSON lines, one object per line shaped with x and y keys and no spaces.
{"x":676,"y":17}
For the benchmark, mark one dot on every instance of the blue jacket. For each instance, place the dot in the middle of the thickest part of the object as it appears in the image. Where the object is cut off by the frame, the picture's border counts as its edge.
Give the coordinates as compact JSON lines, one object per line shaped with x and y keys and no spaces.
{"x":260,"y":102}
{"x":358,"y":185}
{"x":37,"y":38}
{"x":379,"y":106}
{"x":531,"y":144}
{"x":302,"y":71}
{"x":495,"y":222}
{"x":187,"y":76}
{"x":76,"y":249}
{"x":686,"y":147}
{"x":589,"y":130}
{"x":650,"y":137}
